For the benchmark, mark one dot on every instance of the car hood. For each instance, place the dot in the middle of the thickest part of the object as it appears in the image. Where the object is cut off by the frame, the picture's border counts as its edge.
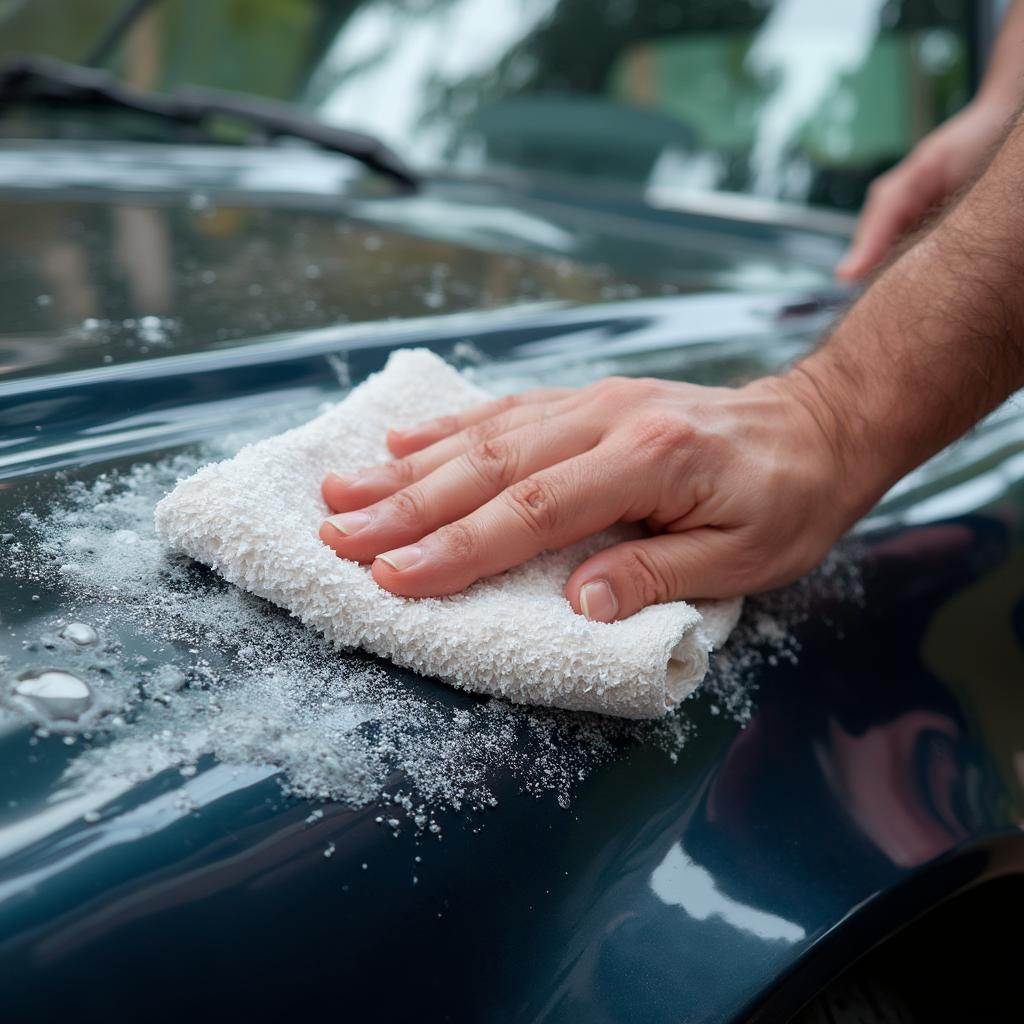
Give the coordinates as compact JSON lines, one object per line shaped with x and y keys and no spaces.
{"x":118,"y":254}
{"x":854,"y":758}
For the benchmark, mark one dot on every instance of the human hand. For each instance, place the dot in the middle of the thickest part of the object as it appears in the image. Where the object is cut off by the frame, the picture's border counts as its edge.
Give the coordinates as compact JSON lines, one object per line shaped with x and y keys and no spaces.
{"x":943,"y":162}
{"x":741,"y":490}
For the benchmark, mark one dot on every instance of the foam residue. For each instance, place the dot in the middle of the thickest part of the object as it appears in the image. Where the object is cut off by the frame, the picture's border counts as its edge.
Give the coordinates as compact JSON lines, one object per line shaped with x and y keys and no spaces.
{"x":211,"y":670}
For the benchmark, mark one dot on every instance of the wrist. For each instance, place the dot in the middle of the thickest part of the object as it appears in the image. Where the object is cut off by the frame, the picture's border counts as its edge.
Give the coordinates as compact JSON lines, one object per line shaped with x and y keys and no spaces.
{"x":831,"y":405}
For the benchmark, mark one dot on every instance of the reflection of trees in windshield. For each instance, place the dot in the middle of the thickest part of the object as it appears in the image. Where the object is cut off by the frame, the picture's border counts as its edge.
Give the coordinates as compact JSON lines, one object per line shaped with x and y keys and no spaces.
{"x":728,"y":95}
{"x":791,"y":98}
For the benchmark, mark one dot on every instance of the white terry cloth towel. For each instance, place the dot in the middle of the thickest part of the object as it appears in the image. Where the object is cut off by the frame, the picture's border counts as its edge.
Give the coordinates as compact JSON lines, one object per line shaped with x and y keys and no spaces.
{"x":254,"y":518}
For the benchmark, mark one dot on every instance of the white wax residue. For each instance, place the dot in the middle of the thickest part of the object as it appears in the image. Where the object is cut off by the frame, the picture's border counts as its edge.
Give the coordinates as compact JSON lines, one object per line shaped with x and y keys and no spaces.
{"x":80,"y":633}
{"x":54,"y":694}
{"x":228,"y":675}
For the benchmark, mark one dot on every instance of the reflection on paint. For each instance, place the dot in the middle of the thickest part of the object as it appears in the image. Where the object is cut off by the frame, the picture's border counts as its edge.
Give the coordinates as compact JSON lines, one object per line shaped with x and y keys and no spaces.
{"x":382,"y":72}
{"x":126,"y":827}
{"x":834,"y":39}
{"x":977,"y":471}
{"x":679,"y":882}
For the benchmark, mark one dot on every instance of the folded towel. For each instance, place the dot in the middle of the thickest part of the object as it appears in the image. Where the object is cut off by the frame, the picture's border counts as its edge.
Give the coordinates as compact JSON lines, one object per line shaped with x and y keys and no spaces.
{"x":254,"y":518}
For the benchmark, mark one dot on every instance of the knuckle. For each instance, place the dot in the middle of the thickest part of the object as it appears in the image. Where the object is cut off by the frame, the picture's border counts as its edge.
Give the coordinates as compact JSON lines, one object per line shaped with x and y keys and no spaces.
{"x":611,"y":386}
{"x":506,"y":402}
{"x":491,"y":461}
{"x":460,"y":540}
{"x":482,"y":432}
{"x":646,"y":386}
{"x":408,"y":504}
{"x":646,"y":580}
{"x":403,"y":471}
{"x":533,"y":501}
{"x":618,"y":393}
{"x":660,"y":434}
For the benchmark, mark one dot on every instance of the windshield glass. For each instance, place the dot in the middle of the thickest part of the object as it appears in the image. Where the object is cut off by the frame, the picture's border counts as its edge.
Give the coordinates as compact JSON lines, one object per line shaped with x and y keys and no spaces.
{"x":791,"y":99}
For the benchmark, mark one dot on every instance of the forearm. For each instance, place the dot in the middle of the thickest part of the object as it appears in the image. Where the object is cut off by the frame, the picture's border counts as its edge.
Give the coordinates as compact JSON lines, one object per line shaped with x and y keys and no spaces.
{"x":933,"y":345}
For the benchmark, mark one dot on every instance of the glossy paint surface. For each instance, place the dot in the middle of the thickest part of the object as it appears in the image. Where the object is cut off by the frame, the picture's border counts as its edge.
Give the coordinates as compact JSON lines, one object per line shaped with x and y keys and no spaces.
{"x":879,"y":773}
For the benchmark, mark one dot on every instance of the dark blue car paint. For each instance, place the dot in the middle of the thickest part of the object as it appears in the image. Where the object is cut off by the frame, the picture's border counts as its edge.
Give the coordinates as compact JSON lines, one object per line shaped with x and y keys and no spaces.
{"x":877,"y":776}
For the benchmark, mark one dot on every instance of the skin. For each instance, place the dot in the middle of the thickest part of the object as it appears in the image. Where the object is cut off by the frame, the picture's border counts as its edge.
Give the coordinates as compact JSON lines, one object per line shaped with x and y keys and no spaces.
{"x":741,"y":489}
{"x":943,"y":162}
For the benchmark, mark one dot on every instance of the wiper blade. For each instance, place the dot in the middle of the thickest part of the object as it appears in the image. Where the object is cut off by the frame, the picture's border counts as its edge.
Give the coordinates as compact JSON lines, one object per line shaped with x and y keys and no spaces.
{"x":47,"y":82}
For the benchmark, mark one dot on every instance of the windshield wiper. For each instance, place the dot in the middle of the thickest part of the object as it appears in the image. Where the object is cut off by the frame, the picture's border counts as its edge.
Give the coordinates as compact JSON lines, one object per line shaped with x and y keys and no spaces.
{"x":46,"y":82}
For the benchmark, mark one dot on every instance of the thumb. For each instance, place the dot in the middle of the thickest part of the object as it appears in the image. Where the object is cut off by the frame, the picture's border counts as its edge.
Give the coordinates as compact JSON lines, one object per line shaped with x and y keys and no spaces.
{"x":619,"y":581}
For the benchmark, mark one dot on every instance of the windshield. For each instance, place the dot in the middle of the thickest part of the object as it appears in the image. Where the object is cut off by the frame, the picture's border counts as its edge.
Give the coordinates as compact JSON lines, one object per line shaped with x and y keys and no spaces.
{"x":791,"y":99}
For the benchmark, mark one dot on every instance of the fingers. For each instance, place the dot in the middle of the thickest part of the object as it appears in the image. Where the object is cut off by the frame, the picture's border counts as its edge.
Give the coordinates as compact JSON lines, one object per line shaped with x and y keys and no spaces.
{"x":548,"y":509}
{"x":623,"y":579}
{"x":344,"y":494}
{"x":896,"y":202}
{"x":456,"y":487}
{"x":890,"y":209}
{"x":412,"y":439}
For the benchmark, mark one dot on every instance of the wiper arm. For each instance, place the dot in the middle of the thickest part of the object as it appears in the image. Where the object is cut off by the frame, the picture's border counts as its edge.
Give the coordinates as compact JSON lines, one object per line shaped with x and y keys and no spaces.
{"x":41,"y":80}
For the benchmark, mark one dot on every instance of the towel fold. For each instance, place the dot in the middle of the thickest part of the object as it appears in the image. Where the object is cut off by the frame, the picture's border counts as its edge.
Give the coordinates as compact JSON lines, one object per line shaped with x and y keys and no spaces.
{"x":254,"y":518}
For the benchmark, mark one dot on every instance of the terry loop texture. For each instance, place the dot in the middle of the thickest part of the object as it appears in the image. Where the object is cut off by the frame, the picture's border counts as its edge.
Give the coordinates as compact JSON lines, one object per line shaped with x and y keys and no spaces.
{"x":254,"y":518}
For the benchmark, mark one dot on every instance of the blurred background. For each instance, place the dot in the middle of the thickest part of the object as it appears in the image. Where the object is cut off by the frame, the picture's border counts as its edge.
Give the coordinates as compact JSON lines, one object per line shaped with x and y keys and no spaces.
{"x":571,"y":153}
{"x":792,"y":99}
{"x":576,"y":188}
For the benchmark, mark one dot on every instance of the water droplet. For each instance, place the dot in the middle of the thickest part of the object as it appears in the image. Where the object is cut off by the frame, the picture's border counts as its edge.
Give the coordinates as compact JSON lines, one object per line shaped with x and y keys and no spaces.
{"x":91,"y":817}
{"x":329,"y":851}
{"x":53,"y":694}
{"x":188,"y":770}
{"x":80,"y":633}
{"x":433,"y":299}
{"x":44,"y":300}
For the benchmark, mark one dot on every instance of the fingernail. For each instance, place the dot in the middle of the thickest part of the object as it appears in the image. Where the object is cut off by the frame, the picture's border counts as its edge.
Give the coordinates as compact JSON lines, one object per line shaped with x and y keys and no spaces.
{"x":345,"y":479}
{"x":402,"y":558}
{"x":598,"y":601}
{"x":349,"y":522}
